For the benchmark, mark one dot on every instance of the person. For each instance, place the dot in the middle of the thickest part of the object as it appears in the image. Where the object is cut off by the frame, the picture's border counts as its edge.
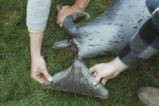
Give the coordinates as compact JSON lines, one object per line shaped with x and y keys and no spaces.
{"x":143,"y":45}
{"x":36,"y":20}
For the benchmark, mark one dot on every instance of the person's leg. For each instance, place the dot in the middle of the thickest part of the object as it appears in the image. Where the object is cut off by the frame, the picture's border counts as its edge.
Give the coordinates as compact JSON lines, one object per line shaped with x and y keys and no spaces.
{"x":152,"y":5}
{"x":149,"y":95}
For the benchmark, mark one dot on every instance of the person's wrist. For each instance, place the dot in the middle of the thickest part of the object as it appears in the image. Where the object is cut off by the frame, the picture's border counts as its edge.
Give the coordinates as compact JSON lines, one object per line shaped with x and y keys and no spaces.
{"x":81,"y":5}
{"x":31,"y":33}
{"x":35,"y":44}
{"x":35,"y":55}
{"x":35,"y":52}
{"x":77,"y":8}
{"x":118,"y":65}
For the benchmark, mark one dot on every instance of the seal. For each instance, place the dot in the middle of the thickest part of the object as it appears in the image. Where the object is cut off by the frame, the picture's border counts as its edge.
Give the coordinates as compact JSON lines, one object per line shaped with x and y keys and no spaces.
{"x":110,"y":32}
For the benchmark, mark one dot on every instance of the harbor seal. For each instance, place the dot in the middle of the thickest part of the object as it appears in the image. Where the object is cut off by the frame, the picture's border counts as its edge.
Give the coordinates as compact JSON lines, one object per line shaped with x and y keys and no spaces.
{"x":110,"y":32}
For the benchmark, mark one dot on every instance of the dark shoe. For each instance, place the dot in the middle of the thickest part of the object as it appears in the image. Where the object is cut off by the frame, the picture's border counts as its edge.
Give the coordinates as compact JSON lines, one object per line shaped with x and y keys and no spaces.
{"x":149,"y":96}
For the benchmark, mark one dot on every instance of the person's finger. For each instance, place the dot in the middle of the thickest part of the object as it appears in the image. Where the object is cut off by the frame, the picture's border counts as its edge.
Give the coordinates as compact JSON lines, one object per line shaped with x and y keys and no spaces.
{"x":36,"y":78}
{"x":58,"y":16}
{"x":61,"y":25}
{"x":92,"y":69}
{"x":104,"y":81}
{"x":62,"y":15}
{"x":47,"y":76}
{"x":60,"y":20}
{"x":95,"y":74}
{"x":97,"y":80}
{"x":61,"y":12}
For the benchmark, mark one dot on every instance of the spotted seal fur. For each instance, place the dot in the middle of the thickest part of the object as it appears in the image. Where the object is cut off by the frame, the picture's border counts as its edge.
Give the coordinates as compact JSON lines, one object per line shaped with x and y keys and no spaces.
{"x":110,"y":32}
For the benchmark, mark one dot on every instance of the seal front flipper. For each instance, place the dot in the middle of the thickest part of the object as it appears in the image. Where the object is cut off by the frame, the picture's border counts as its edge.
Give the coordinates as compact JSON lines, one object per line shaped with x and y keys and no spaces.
{"x":69,"y":23}
{"x":62,"y":44}
{"x":110,"y":32}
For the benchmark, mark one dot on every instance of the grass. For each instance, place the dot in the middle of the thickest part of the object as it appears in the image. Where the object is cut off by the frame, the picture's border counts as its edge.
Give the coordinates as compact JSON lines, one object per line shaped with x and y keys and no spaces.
{"x":18,"y":89}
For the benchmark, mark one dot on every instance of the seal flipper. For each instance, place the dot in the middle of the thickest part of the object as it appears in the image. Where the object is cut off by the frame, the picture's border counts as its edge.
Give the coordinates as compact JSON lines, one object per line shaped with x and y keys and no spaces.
{"x":77,"y":79}
{"x":69,"y":21}
{"x":62,"y":44}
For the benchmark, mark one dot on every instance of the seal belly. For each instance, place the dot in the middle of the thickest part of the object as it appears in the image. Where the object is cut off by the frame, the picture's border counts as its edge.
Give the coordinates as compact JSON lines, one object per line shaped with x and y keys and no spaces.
{"x":113,"y":29}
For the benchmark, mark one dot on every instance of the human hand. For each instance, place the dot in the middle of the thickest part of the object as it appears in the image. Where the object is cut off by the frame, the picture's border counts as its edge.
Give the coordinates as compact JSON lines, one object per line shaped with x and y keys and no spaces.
{"x":105,"y":71}
{"x":39,"y":71}
{"x":66,"y":11}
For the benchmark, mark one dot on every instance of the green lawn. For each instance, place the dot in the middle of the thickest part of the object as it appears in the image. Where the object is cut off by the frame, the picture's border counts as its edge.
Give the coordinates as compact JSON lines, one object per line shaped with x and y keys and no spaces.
{"x":18,"y":89}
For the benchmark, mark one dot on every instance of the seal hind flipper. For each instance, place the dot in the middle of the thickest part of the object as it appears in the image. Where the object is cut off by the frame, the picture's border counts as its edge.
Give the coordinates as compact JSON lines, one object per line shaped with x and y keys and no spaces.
{"x":110,"y":32}
{"x":77,"y":79}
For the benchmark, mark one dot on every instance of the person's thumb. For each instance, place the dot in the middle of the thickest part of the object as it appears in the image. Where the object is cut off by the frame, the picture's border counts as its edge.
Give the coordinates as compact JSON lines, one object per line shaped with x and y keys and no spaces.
{"x":97,"y":80}
{"x":47,"y":76}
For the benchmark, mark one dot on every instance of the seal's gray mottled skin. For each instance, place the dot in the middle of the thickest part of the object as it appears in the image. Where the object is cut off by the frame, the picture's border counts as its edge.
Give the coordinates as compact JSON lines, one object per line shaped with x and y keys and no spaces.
{"x":77,"y":79}
{"x":108,"y":33}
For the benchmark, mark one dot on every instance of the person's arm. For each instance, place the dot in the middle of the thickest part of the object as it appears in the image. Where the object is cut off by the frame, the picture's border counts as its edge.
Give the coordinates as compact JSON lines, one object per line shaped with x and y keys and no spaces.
{"x":78,"y":6}
{"x":39,"y":71}
{"x":36,"y":20}
{"x":37,"y":15}
{"x":105,"y":71}
{"x":145,"y":44}
{"x":140,"y":47}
